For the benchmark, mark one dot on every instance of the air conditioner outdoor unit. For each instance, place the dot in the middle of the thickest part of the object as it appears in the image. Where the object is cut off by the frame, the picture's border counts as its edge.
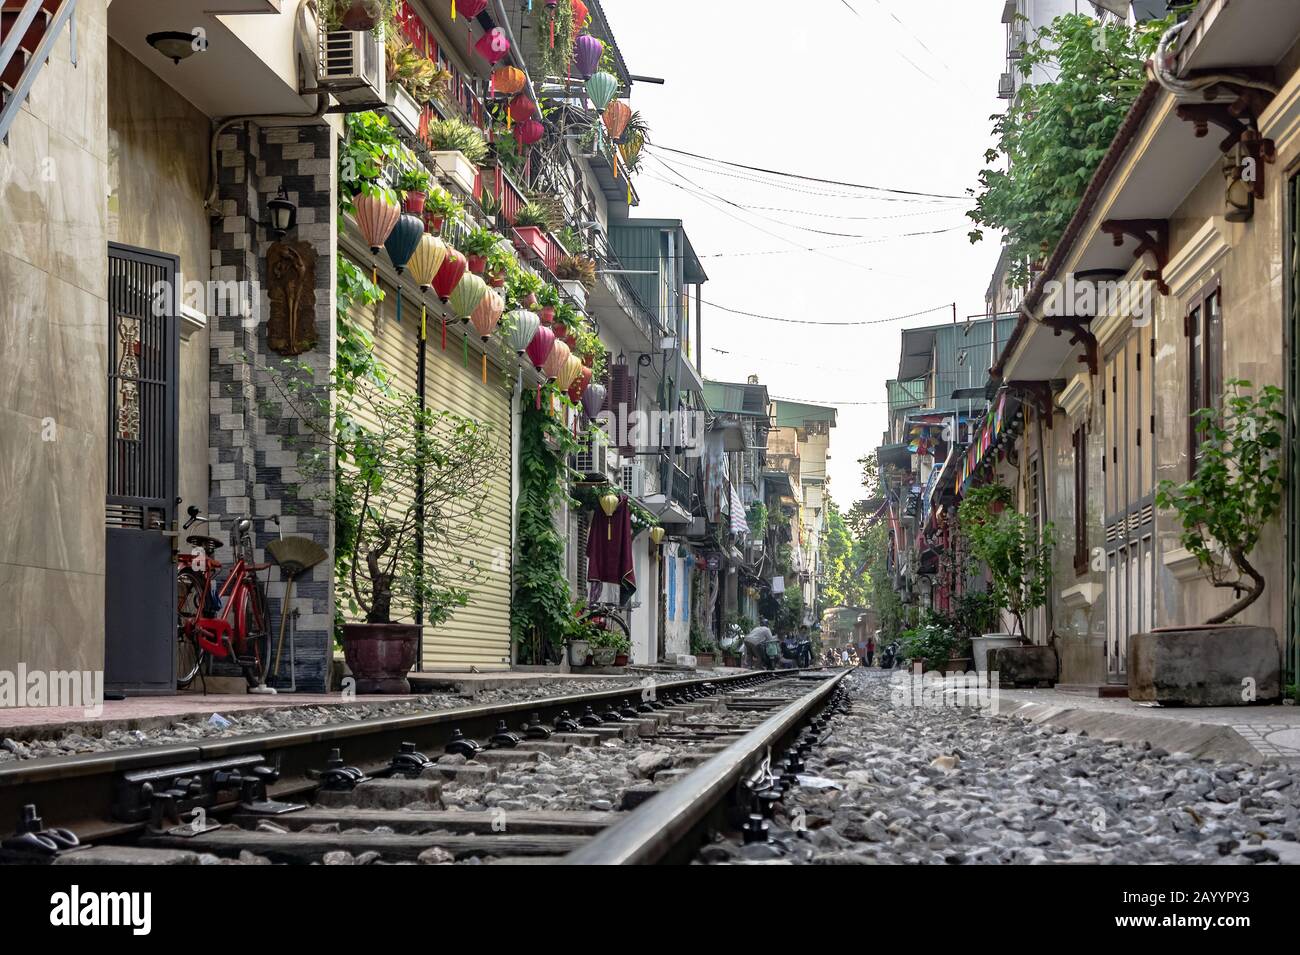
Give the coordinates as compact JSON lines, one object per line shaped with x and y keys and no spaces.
{"x":352,"y":66}
{"x":632,"y":479}
{"x":1006,"y":86}
{"x":593,"y":458}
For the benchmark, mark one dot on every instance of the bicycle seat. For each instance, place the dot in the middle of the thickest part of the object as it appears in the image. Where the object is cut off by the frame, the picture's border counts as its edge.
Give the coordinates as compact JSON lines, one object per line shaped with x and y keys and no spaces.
{"x":207,"y":543}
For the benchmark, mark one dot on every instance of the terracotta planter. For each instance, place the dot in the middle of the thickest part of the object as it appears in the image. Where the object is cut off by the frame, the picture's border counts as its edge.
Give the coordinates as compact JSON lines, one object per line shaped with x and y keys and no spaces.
{"x":497,"y":279}
{"x":529,"y":300}
{"x":433,"y":223}
{"x":560,"y":330}
{"x":704,"y":660}
{"x":620,"y":660}
{"x":414,"y":202}
{"x":547,"y":314}
{"x":477,"y":263}
{"x":532,"y":237}
{"x":380,"y":655}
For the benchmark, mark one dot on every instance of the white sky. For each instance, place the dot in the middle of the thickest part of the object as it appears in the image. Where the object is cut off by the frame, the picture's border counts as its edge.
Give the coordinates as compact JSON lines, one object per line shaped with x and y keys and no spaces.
{"x":811,"y":87}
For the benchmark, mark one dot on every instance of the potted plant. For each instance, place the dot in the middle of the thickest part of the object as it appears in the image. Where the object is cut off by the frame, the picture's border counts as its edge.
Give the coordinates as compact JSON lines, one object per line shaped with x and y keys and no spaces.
{"x":500,"y":260}
{"x":414,"y":184}
{"x":548,"y":300}
{"x":476,"y":245}
{"x":355,"y":16}
{"x":524,"y":286}
{"x":458,"y":149}
{"x":1235,"y":491}
{"x":413,"y":80}
{"x":1017,"y":556}
{"x":440,"y":206}
{"x":930,"y":644}
{"x":531,"y":224}
{"x":704,"y":650}
{"x":577,"y":275}
{"x":394,"y":458}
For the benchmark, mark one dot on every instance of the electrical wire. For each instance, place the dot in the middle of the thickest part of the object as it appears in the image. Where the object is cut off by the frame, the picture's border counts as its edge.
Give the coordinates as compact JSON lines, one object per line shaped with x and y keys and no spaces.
{"x":809,"y":321}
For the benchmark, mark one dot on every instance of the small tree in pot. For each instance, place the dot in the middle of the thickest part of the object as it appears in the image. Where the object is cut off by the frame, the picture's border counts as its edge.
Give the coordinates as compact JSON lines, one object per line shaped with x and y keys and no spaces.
{"x":1234,"y":493}
{"x":399,"y":463}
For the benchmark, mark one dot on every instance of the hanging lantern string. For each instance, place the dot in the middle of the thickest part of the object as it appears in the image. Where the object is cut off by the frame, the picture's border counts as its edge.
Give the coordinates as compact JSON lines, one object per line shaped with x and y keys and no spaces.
{"x":485,"y":368}
{"x":424,"y":316}
{"x":453,"y":9}
{"x":444,"y":333}
{"x":465,"y":343}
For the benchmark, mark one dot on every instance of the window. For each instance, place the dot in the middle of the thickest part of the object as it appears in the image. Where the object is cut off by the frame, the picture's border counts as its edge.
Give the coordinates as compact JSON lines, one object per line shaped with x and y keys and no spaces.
{"x":1203,"y":326}
{"x":1081,"y":500}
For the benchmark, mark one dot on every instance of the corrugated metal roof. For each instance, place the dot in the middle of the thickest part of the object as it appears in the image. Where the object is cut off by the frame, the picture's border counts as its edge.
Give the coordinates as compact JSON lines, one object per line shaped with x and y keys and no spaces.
{"x":976,"y":341}
{"x":792,"y":414}
{"x":905,"y":394}
{"x":731,"y":397}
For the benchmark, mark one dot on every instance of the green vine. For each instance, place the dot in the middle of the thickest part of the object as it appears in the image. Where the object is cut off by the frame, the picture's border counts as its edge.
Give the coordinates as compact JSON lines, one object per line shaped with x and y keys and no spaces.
{"x":555,"y":56}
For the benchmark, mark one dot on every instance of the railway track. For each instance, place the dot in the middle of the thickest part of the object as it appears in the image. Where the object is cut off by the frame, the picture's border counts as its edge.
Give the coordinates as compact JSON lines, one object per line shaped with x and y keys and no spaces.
{"x":612,"y":777}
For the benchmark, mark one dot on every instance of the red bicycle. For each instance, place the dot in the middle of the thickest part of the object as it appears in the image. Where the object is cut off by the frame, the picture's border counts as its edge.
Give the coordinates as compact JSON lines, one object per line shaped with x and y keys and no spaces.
{"x":227,"y":624}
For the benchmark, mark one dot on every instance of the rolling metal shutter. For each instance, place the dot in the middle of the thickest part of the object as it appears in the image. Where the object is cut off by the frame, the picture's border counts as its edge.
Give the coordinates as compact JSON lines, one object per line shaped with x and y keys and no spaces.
{"x":478,"y":634}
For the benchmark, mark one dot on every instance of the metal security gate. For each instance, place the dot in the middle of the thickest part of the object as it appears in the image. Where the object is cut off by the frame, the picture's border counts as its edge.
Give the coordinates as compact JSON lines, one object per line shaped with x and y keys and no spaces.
{"x":1129,"y":465}
{"x":140,"y":576}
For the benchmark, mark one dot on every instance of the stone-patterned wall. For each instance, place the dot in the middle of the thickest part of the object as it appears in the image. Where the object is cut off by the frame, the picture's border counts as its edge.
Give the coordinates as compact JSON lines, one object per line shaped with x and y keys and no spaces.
{"x":256,"y":436}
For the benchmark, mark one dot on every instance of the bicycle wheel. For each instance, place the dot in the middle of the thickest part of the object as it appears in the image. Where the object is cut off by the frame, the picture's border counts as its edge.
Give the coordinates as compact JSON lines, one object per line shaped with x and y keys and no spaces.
{"x":608,"y":620}
{"x":190,"y":657}
{"x":254,"y":633}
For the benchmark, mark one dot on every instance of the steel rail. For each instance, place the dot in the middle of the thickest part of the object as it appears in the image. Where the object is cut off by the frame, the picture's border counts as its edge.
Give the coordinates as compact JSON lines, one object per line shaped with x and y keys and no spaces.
{"x":79,"y":791}
{"x":668,"y":828}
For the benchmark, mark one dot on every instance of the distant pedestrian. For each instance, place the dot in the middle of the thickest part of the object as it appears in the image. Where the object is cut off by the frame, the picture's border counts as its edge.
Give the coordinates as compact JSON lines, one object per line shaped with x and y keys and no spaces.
{"x":871,"y":649}
{"x":755,"y":652}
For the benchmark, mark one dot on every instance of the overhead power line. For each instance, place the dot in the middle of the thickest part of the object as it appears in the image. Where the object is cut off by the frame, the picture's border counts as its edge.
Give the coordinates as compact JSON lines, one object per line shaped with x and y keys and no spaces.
{"x":795,"y":175}
{"x":947,"y":306}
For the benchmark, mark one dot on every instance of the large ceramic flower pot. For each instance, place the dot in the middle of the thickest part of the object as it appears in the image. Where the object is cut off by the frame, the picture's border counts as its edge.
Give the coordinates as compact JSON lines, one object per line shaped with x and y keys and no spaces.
{"x":1225,"y":665}
{"x":579,"y":650}
{"x":380,"y":655}
{"x":980,"y":647}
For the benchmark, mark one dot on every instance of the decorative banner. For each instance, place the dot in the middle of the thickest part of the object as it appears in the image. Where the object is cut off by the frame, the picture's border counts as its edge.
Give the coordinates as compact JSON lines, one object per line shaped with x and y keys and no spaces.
{"x":523,"y":326}
{"x":601,"y":88}
{"x":990,"y":431}
{"x":529,"y":132}
{"x":376,"y":217}
{"x":467,"y":295}
{"x":449,"y":273}
{"x":586,"y":55}
{"x":404,"y":240}
{"x":555,"y":361}
{"x":427,"y":260}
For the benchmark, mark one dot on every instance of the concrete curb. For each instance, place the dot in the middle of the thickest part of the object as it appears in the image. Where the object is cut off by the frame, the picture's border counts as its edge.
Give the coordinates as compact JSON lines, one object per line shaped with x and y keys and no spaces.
{"x":1202,"y":740}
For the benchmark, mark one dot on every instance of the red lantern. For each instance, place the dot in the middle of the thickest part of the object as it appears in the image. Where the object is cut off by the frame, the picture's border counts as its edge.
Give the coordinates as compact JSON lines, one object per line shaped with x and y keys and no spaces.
{"x":580,"y":384}
{"x":539,"y":349}
{"x":522,"y":108}
{"x":469,"y":8}
{"x":529,"y":132}
{"x":449,"y":274}
{"x":579,"y":13}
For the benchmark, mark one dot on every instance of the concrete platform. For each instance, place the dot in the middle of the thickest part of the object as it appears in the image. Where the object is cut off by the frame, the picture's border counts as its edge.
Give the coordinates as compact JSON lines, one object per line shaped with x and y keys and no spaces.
{"x":1249,"y":733}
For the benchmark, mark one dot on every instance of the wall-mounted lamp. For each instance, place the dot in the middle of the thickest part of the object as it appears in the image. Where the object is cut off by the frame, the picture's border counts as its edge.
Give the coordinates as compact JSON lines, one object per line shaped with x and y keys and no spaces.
{"x":176,"y":45}
{"x":283,"y":215}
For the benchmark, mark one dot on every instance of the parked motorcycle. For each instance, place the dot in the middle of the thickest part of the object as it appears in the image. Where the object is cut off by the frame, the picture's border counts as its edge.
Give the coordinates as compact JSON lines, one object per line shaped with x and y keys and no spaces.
{"x":889,"y":656}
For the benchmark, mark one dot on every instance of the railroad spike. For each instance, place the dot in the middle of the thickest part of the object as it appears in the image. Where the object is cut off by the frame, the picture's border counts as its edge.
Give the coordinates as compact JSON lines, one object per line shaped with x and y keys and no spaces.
{"x":503,"y":738}
{"x":460,"y":745}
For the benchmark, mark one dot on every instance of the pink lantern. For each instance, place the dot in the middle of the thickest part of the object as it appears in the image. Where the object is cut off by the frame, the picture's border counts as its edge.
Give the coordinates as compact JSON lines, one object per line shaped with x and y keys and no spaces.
{"x":376,"y":217}
{"x":493,"y":45}
{"x":488,"y":314}
{"x":540,"y":346}
{"x":556,"y":361}
{"x":529,"y":132}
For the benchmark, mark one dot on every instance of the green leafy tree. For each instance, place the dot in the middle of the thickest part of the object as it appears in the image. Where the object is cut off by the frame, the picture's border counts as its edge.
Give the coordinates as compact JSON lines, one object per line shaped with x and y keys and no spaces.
{"x":842,"y":585}
{"x":1054,"y":135}
{"x":1236,"y":490}
{"x":1017,"y":555}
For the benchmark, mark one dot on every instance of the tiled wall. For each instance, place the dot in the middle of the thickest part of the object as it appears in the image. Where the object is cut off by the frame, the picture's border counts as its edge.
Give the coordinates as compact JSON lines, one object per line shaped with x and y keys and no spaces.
{"x":257,"y":439}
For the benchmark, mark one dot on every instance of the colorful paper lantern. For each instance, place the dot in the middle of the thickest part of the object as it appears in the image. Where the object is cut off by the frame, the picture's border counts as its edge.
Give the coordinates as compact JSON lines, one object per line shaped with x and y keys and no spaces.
{"x":449,"y":273}
{"x":617,"y":115}
{"x":493,"y":45}
{"x":404,"y":240}
{"x":427,"y":260}
{"x":609,"y":503}
{"x":376,"y":218}
{"x":523,"y":326}
{"x":509,"y":80}
{"x":579,"y":13}
{"x":601,"y":88}
{"x":656,"y":535}
{"x":539,"y":347}
{"x":522,"y":108}
{"x":467,"y":295}
{"x":586,"y":55}
{"x":555,"y":361}
{"x":529,"y":132}
{"x":579,"y":384}
{"x":572,"y":368}
{"x":468,"y":8}
{"x":593,"y":399}
{"x":487,"y":315}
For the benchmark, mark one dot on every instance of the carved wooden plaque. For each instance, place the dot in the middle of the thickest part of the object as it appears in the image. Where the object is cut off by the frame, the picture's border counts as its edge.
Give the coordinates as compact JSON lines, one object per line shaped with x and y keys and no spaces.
{"x":291,"y":281}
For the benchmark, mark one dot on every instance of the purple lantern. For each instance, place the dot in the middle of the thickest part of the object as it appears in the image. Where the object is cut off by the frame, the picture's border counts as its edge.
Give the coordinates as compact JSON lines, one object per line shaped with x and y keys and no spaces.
{"x":586,"y":55}
{"x":593,"y":400}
